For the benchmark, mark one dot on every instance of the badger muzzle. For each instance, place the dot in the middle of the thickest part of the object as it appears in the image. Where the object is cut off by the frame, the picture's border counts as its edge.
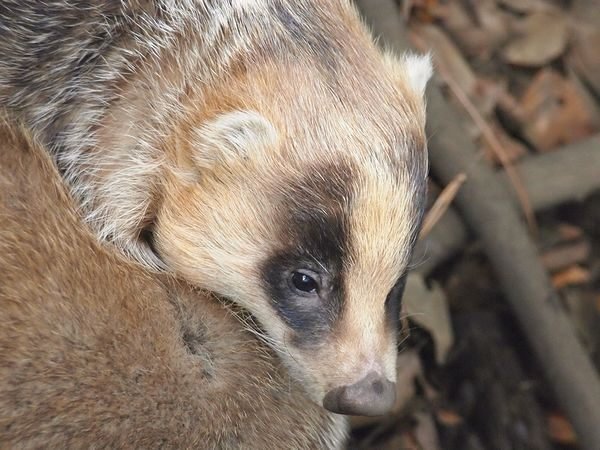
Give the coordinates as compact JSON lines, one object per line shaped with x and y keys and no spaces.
{"x":374,"y":395}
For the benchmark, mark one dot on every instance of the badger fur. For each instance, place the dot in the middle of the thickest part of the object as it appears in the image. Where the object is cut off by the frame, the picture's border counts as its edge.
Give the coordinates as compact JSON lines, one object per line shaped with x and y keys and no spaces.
{"x":263,"y":150}
{"x":97,"y":353}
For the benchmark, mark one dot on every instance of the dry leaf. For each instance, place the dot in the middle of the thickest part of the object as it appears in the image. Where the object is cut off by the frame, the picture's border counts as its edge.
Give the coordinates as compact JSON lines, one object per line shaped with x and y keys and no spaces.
{"x":408,"y":368}
{"x":479,"y":31}
{"x":396,"y":442}
{"x":449,"y":418}
{"x":510,"y":108}
{"x":425,"y":432}
{"x":556,"y":111}
{"x":543,"y":38}
{"x":560,"y":430}
{"x":572,"y":275}
{"x":428,"y":308}
{"x":424,"y":10}
{"x":492,"y":21}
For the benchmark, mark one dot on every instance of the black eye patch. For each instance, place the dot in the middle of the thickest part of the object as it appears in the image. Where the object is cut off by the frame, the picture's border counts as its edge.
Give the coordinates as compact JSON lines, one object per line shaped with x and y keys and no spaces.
{"x":314,"y":235}
{"x":310,"y":314}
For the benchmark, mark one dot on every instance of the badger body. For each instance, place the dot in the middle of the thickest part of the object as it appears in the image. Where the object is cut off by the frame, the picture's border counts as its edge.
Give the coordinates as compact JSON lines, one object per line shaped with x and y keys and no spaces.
{"x":98,"y":353}
{"x":264,"y":150}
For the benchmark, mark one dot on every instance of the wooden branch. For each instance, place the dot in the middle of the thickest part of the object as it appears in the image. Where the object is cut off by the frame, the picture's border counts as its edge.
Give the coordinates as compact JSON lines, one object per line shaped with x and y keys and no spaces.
{"x":567,"y":174}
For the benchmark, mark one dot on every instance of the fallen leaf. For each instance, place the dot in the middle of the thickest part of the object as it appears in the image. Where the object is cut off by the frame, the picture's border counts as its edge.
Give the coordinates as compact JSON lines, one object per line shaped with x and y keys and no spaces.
{"x":560,"y":429}
{"x":477,"y":32}
{"x":425,"y":432}
{"x":543,"y":38}
{"x":408,"y":368}
{"x":428,"y":308}
{"x":487,"y":134}
{"x":492,"y":21}
{"x":510,"y":109}
{"x":448,"y":417}
{"x":570,"y":276}
{"x":556,"y":111}
{"x":424,"y":10}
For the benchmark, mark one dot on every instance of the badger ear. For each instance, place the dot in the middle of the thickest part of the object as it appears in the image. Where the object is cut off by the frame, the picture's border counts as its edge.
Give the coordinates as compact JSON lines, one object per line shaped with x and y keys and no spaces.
{"x":411,"y":67}
{"x":419,"y":70}
{"x":231,"y":136}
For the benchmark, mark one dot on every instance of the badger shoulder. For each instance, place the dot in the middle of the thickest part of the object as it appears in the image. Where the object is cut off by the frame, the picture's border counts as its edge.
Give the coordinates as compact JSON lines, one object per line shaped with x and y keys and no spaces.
{"x":95,"y":351}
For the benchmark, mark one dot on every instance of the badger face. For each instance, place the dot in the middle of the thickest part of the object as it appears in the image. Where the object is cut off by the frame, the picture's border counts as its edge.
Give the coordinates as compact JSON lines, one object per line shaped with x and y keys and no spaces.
{"x":335,"y":279}
{"x":310,"y":229}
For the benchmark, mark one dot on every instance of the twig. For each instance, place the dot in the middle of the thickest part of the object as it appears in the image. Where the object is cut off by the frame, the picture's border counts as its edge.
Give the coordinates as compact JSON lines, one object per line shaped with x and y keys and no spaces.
{"x":441,"y":204}
{"x":491,"y":213}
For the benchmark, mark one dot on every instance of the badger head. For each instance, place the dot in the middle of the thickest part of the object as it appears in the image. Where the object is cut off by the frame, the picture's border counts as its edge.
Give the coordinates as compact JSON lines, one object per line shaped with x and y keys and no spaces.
{"x":303,"y":208}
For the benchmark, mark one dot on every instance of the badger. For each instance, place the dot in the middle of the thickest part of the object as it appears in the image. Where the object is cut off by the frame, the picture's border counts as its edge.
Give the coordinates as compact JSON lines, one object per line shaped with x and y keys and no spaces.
{"x":112,"y":356}
{"x":262,"y":150}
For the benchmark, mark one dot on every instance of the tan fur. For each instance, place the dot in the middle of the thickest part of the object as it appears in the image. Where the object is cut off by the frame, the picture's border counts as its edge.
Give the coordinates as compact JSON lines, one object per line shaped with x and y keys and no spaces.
{"x":225,"y":219}
{"x":216,"y":230}
{"x":193,"y":121}
{"x":97,"y":353}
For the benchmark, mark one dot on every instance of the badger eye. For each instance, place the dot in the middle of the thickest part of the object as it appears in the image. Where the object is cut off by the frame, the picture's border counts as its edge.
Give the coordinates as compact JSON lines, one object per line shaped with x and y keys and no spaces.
{"x":304,"y":282}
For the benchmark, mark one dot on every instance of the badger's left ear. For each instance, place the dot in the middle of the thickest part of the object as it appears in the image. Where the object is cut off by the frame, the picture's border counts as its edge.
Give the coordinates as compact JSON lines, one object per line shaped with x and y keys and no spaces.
{"x":414,"y":68}
{"x":231,"y":136}
{"x":419,"y":70}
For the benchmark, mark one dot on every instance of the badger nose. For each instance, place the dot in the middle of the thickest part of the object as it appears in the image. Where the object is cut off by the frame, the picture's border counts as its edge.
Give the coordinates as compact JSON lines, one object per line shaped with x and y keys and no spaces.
{"x":374,"y":395}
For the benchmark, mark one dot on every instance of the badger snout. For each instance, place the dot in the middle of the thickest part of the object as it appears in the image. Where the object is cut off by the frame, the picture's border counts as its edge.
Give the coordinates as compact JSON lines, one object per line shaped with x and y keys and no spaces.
{"x":374,"y":395}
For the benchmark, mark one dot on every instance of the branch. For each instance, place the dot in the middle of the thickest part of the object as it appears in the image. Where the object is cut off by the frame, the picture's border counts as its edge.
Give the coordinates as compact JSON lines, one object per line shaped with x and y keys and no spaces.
{"x":567,"y":174}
